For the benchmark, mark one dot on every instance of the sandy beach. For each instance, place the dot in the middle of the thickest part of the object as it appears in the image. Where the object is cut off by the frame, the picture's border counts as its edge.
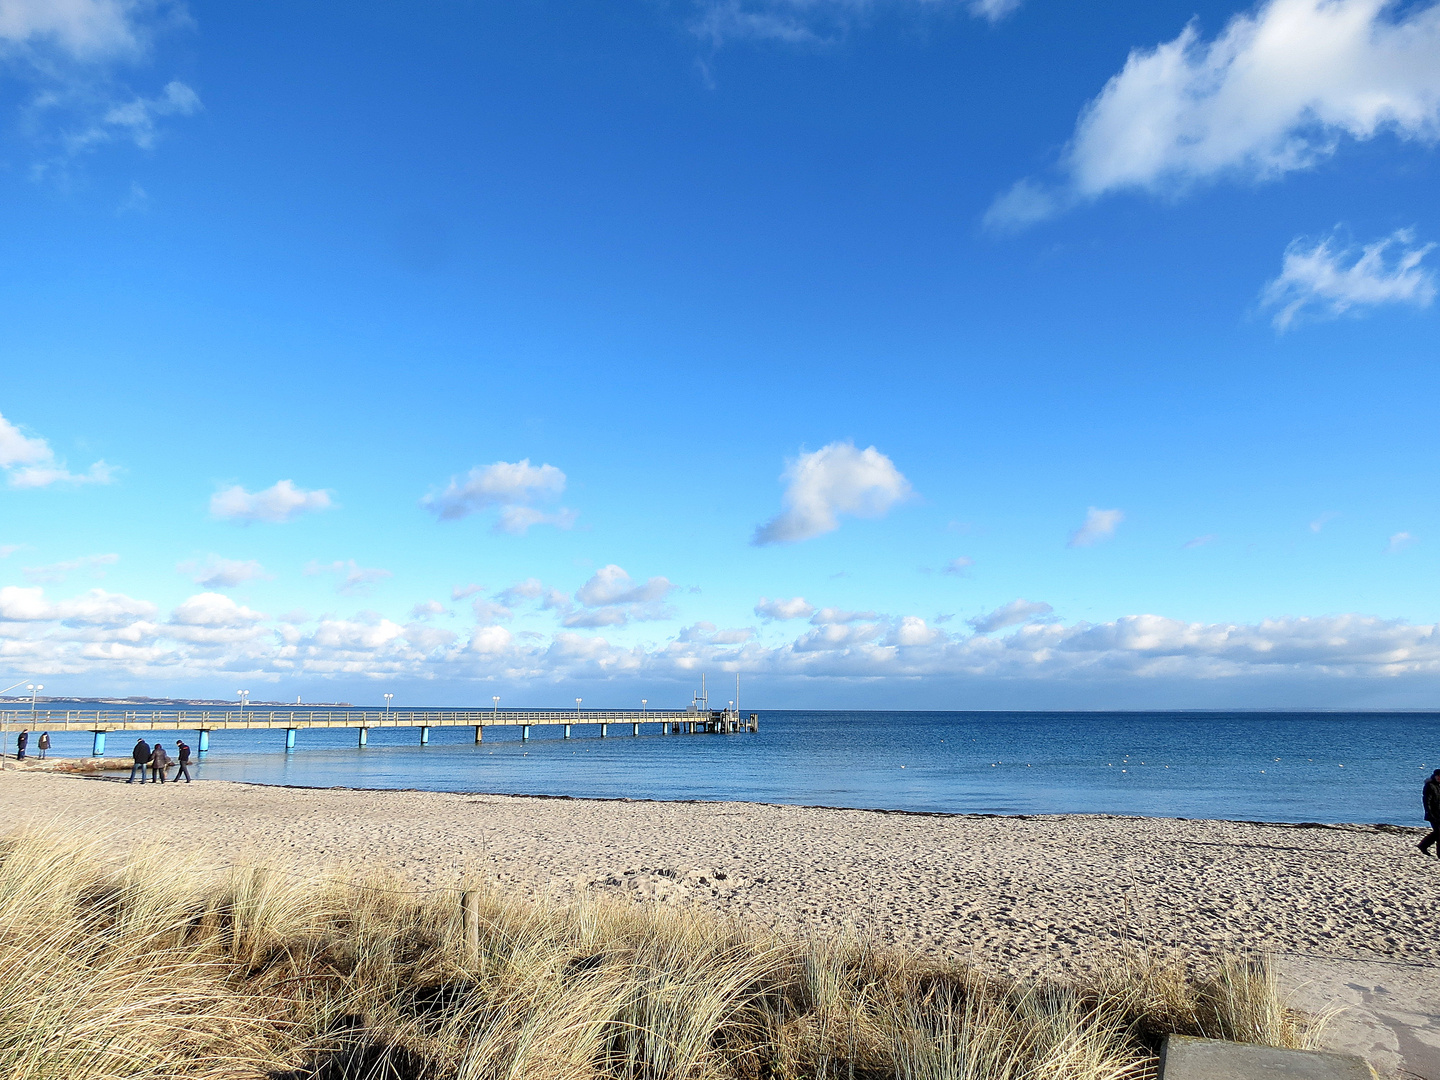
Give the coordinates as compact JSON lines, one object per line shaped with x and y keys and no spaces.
{"x":1018,"y":893}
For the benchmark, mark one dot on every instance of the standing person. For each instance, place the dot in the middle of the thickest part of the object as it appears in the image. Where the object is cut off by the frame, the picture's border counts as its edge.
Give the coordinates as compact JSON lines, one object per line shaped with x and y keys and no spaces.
{"x":43,"y":744}
{"x":1430,"y":799}
{"x":159,"y":762}
{"x":21,"y":741}
{"x":182,"y":756}
{"x":141,"y":755}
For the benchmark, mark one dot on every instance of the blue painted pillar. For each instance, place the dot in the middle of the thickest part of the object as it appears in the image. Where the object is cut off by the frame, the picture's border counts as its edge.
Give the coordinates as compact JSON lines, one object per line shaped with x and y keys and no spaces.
{"x":524,"y":731}
{"x":98,"y":750}
{"x":204,"y":741}
{"x":424,"y":736}
{"x":364,"y":736}
{"x":567,"y":731}
{"x":634,"y":729}
{"x":604,"y":730}
{"x":290,"y":738}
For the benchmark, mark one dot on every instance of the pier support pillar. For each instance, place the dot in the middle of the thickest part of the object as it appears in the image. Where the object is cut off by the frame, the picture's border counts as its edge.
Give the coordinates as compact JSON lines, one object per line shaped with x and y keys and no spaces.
{"x":204,"y":742}
{"x":754,"y":721}
{"x":604,"y":730}
{"x":567,"y":731}
{"x":98,"y":749}
{"x":665,"y":728}
{"x":524,"y":731}
{"x":479,"y":734}
{"x":424,"y":736}
{"x":364,"y":736}
{"x":634,"y":729}
{"x":289,"y":738}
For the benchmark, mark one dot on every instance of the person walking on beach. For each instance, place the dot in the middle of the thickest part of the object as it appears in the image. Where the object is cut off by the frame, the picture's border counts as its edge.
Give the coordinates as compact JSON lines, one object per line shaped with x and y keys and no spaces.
{"x":21,"y":741}
{"x":142,"y":758}
{"x":43,"y":744}
{"x":1430,"y":797}
{"x":159,"y":762}
{"x":182,"y":757}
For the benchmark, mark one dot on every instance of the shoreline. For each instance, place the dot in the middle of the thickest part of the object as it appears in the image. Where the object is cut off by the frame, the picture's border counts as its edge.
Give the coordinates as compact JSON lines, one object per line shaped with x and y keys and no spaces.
{"x":1022,"y":893}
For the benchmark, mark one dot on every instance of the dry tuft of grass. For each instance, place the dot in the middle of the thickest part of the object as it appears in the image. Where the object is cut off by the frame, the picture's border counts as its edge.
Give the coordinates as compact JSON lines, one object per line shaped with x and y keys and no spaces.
{"x":154,"y":970}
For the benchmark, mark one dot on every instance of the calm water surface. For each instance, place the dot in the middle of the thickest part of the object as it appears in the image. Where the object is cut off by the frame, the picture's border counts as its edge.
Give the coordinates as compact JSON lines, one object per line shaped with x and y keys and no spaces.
{"x":1329,"y":767}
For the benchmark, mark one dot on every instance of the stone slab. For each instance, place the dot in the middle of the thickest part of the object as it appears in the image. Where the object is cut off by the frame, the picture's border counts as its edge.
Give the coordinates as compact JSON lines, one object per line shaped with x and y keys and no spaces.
{"x":1184,"y":1058}
{"x":1388,"y":1012}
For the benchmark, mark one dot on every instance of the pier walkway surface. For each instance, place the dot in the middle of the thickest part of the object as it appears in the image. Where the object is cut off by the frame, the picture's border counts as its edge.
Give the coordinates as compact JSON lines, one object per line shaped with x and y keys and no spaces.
{"x":102,"y":721}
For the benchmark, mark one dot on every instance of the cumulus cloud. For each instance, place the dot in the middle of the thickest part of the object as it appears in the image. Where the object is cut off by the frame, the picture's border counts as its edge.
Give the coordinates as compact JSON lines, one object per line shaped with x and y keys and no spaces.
{"x":354,"y":579}
{"x":797,"y":607}
{"x":213,"y":609}
{"x":521,"y":591}
{"x":1014,"y":613}
{"x":54,"y":573}
{"x":221,"y":573}
{"x":1321,"y":279}
{"x":612,"y":598}
{"x":1099,"y":525}
{"x":428,"y":609}
{"x":832,"y":616}
{"x":834,"y":480}
{"x":29,"y":462}
{"x":815,"y":22}
{"x":460,"y":592}
{"x":279,"y":503}
{"x":487,"y":612}
{"x":512,"y":489}
{"x":1277,"y":90}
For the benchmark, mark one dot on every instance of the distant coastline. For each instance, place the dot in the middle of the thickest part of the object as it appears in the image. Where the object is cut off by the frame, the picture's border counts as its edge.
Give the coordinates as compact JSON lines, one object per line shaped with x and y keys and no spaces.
{"x":217,"y":702}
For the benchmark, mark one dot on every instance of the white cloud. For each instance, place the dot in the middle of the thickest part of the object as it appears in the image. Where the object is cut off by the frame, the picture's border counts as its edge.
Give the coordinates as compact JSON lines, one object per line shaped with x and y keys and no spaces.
{"x":460,"y":592}
{"x":487,"y":612}
{"x":612,"y":585}
{"x":6,"y":550}
{"x":960,"y":565}
{"x":1323,"y":280}
{"x":1277,"y":90}
{"x":831,"y":616}
{"x":57,"y":572}
{"x":797,"y":607}
{"x":1012,"y":614}
{"x":428,"y":609}
{"x":529,"y":589}
{"x":221,"y":573}
{"x":1099,"y":525}
{"x":279,"y":503}
{"x":96,"y":607}
{"x":836,"y":479}
{"x":214,"y":610}
{"x":1399,"y":542}
{"x":29,"y":462}
{"x":355,"y":580}
{"x":812,"y":22}
{"x":1200,"y":541}
{"x":83,"y":29}
{"x":1323,"y":520}
{"x":512,"y":489}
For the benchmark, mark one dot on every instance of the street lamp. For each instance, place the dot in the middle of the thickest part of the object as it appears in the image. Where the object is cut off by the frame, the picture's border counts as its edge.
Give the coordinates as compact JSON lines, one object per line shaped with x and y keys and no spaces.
{"x":644,"y":705}
{"x":495,"y":711}
{"x":577,"y":710}
{"x":387,"y":702}
{"x":34,"y":689}
{"x":244,"y":699}
{"x":5,"y":730}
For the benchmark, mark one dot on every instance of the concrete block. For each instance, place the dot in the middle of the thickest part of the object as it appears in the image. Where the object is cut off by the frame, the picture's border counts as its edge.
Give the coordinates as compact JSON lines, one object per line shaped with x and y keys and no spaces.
{"x":1184,"y":1058}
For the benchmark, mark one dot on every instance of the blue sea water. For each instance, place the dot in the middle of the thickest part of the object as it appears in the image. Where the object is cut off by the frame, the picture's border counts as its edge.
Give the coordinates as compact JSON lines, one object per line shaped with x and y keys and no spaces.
{"x":1327,"y":767}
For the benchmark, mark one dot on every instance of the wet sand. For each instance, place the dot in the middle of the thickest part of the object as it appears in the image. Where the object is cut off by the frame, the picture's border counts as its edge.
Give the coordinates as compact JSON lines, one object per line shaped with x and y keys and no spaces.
{"x":1018,"y":893}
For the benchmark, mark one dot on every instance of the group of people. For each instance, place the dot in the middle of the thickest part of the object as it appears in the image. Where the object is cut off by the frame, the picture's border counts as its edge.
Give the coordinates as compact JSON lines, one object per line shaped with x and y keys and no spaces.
{"x":158,"y":761}
{"x":22,"y":744}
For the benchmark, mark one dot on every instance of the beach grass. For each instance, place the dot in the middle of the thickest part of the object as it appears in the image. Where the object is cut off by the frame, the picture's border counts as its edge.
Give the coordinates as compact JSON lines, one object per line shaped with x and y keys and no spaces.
{"x":151,"y":967}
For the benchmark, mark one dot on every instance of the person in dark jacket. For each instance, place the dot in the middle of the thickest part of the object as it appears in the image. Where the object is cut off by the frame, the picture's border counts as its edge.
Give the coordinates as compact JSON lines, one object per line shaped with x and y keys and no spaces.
{"x":182,"y":757}
{"x":142,"y":758}
{"x":43,"y":744}
{"x":22,"y":741}
{"x":159,"y":762}
{"x":1430,"y":798}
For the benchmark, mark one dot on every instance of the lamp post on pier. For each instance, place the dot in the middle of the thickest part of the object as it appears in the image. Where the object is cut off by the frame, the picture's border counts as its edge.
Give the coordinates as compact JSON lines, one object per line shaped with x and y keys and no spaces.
{"x":387,"y":703}
{"x":244,"y":700}
{"x":5,"y":730}
{"x":34,"y":689}
{"x":495,"y":712}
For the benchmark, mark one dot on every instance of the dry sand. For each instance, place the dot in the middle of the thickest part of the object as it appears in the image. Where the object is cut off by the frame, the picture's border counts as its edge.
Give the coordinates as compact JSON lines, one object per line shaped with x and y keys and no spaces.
{"x":1020,"y":893}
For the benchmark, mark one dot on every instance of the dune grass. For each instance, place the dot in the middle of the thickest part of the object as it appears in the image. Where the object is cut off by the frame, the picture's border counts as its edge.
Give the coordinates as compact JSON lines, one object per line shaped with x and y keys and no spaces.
{"x":155,"y":970}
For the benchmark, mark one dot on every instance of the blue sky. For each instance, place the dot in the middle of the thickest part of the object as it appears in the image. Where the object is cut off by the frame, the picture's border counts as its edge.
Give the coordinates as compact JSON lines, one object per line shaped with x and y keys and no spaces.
{"x":912,"y":353}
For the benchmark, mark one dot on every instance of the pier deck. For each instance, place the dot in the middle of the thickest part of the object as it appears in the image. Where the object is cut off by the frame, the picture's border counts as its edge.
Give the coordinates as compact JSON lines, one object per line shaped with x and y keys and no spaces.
{"x":204,"y":721}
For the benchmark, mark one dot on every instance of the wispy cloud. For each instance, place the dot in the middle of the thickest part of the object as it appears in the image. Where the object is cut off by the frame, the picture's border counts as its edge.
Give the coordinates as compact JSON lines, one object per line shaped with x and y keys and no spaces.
{"x":512,"y":489}
{"x":835,"y":480}
{"x":1399,"y":542}
{"x":1321,"y":279}
{"x":29,"y":462}
{"x":1015,"y":613}
{"x":1200,"y":541}
{"x":277,"y":504}
{"x":1277,"y":90}
{"x":1323,"y":520}
{"x":355,"y":580}
{"x":221,"y":573}
{"x":816,"y":22}
{"x":796,"y":607}
{"x":57,"y":572}
{"x":612,"y":598}
{"x":1098,"y":525}
{"x":960,"y":566}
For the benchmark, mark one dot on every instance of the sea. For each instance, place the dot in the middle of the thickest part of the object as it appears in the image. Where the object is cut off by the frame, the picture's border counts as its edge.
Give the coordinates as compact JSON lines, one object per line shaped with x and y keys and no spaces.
{"x":1255,"y":766}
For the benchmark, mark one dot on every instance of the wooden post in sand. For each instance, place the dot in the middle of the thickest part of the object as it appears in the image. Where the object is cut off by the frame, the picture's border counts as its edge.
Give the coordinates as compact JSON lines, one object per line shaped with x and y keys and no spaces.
{"x":470,"y":922}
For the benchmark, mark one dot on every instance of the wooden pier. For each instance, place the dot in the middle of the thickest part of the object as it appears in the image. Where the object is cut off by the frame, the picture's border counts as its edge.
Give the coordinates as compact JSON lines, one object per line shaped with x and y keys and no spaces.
{"x":203,"y":721}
